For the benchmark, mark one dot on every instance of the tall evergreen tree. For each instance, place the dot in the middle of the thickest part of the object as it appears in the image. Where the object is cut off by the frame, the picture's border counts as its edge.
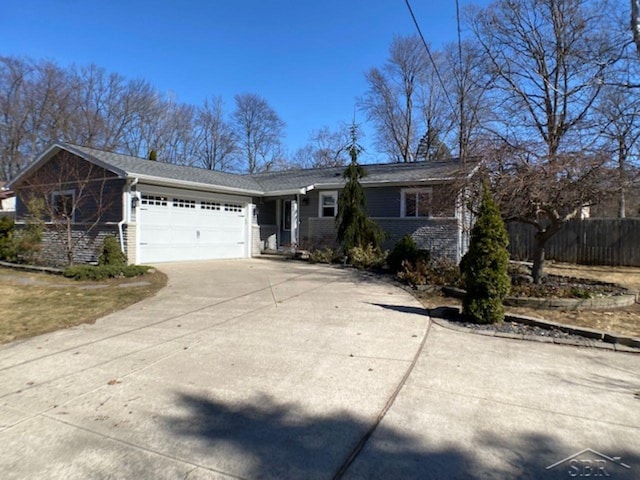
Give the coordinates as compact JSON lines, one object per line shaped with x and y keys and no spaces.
{"x":484,"y":267}
{"x":355,"y":228}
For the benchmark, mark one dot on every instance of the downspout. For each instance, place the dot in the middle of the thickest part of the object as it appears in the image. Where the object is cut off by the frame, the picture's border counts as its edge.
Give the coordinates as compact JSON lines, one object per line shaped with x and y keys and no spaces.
{"x":297,"y":220}
{"x":126,"y":210}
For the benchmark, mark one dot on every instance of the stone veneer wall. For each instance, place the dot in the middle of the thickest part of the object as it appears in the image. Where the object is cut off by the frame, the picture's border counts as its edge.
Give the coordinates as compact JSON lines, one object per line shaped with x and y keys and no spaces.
{"x":321,"y":232}
{"x":86,"y":251}
{"x":438,"y":235}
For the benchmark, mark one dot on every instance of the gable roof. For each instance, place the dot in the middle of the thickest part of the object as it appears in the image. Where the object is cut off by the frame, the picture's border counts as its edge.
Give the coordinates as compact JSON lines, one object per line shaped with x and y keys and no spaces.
{"x":267,"y":183}
{"x":126,"y":166}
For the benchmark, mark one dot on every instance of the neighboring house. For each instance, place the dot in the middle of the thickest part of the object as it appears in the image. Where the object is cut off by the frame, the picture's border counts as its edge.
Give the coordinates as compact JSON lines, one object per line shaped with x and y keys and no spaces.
{"x":7,"y":201}
{"x":162,"y":212}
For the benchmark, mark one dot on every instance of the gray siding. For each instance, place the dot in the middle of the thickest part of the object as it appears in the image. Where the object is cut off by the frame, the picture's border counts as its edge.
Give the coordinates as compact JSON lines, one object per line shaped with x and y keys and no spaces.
{"x":383,"y":201}
{"x":266,"y":211}
{"x":101,"y":197}
{"x":439,"y":235}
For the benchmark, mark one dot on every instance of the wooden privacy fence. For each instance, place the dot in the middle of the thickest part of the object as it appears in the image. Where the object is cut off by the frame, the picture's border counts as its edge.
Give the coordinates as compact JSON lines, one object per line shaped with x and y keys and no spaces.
{"x":595,"y":241}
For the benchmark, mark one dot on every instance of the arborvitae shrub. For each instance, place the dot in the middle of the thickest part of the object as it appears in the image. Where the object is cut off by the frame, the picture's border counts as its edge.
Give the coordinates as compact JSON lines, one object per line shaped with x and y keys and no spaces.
{"x":353,"y":225}
{"x":111,"y":252}
{"x":485,"y":265}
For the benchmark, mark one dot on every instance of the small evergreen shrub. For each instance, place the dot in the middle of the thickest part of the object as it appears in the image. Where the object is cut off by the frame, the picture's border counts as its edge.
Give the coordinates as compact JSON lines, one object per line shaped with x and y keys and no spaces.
{"x":443,"y":271}
{"x":577,"y":292}
{"x":29,"y":238}
{"x":111,"y":253}
{"x":8,"y":244}
{"x":414,"y":273}
{"x":103,"y":272}
{"x":367,"y":258}
{"x":322,"y":255}
{"x":485,"y":266}
{"x":20,"y":245}
{"x":406,"y":250}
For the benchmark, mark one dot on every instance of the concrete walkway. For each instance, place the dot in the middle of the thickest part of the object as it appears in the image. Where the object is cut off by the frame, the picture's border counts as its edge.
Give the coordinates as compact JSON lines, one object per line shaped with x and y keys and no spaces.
{"x":492,"y":408}
{"x":268,"y":369}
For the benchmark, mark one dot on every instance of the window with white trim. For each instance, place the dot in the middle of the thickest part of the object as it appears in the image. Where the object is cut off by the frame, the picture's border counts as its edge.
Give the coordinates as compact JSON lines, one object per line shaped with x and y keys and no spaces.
{"x":328,"y":204}
{"x":416,"y":202}
{"x":153,"y":200}
{"x":182,"y":203}
{"x":63,"y":204}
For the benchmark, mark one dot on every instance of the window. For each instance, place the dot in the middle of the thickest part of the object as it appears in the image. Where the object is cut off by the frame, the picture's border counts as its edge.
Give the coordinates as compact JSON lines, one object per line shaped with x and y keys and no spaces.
{"x":63,"y":204}
{"x":182,"y":203}
{"x":232,"y":207}
{"x":154,"y":200}
{"x":328,"y":204}
{"x":210,"y":205}
{"x":416,"y":202}
{"x":286,"y":215}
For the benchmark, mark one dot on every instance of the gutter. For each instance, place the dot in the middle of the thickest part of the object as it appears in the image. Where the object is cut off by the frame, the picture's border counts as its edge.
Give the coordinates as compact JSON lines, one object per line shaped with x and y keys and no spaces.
{"x":126,"y":206}
{"x":293,"y":191}
{"x":197,"y":185}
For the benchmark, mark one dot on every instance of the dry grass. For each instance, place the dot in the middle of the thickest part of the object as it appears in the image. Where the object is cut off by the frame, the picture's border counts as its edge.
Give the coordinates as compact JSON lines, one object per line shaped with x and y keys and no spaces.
{"x":51,"y":302}
{"x":623,"y":321}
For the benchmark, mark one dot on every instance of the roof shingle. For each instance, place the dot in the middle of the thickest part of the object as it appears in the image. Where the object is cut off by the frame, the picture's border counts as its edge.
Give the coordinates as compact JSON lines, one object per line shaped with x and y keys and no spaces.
{"x":272,"y":183}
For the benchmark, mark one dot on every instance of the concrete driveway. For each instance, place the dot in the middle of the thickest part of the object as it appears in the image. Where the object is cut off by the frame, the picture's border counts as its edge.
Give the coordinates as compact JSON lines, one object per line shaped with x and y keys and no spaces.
{"x":273,"y":369}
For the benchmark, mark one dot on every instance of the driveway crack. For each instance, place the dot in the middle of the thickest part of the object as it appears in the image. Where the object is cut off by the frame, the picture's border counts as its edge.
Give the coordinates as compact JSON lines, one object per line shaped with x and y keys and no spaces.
{"x":390,"y":401}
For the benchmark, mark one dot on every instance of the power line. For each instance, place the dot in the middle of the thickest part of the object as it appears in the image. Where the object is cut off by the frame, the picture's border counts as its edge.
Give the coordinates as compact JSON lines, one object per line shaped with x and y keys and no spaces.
{"x":426,"y":46}
{"x":462,"y":151}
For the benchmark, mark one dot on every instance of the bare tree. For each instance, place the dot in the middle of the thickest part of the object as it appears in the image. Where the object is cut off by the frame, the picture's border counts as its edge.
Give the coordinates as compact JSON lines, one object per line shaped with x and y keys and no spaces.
{"x":148,"y":128}
{"x":326,"y":148}
{"x":550,"y":60}
{"x":216,"y":139}
{"x":180,"y":136}
{"x":259,"y":130}
{"x":391,"y":101}
{"x":13,"y":116}
{"x":619,"y":110}
{"x":76,"y":198}
{"x":469,"y":81}
{"x":436,"y":116}
{"x":635,"y":22}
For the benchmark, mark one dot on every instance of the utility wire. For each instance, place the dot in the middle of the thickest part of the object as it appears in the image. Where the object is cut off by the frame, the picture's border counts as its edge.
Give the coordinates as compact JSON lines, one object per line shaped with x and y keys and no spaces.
{"x":426,"y":46}
{"x":462,"y":151}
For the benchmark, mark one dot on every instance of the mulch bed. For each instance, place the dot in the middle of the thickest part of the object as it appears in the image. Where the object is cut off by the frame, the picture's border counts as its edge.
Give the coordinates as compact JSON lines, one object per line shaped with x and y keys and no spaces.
{"x":567,"y":287}
{"x":519,"y":329}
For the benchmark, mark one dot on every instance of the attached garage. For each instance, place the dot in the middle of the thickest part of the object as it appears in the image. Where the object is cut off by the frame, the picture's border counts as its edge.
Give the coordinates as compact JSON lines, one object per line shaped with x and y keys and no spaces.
{"x":183,"y":225}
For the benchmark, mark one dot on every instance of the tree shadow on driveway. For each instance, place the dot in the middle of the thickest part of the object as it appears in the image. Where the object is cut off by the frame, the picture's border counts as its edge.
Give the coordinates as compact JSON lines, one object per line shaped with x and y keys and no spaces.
{"x":263,"y":438}
{"x":282,"y":441}
{"x":403,"y":308}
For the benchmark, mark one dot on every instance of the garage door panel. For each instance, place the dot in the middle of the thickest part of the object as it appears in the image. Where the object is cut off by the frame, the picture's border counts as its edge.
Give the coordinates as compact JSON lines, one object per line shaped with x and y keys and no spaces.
{"x":173,"y":232}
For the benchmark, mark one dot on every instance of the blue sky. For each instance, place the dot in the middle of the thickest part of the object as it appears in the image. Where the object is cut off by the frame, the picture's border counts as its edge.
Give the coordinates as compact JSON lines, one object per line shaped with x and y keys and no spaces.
{"x":307,"y":58}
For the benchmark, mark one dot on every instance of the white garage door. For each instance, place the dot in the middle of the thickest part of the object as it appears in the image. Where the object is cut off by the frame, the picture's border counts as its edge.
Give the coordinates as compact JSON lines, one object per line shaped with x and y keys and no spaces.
{"x":175,"y":228}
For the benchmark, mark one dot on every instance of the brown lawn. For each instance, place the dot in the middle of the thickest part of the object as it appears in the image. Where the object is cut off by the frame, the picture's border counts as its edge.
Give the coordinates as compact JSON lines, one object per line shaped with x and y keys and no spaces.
{"x":36,"y":303}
